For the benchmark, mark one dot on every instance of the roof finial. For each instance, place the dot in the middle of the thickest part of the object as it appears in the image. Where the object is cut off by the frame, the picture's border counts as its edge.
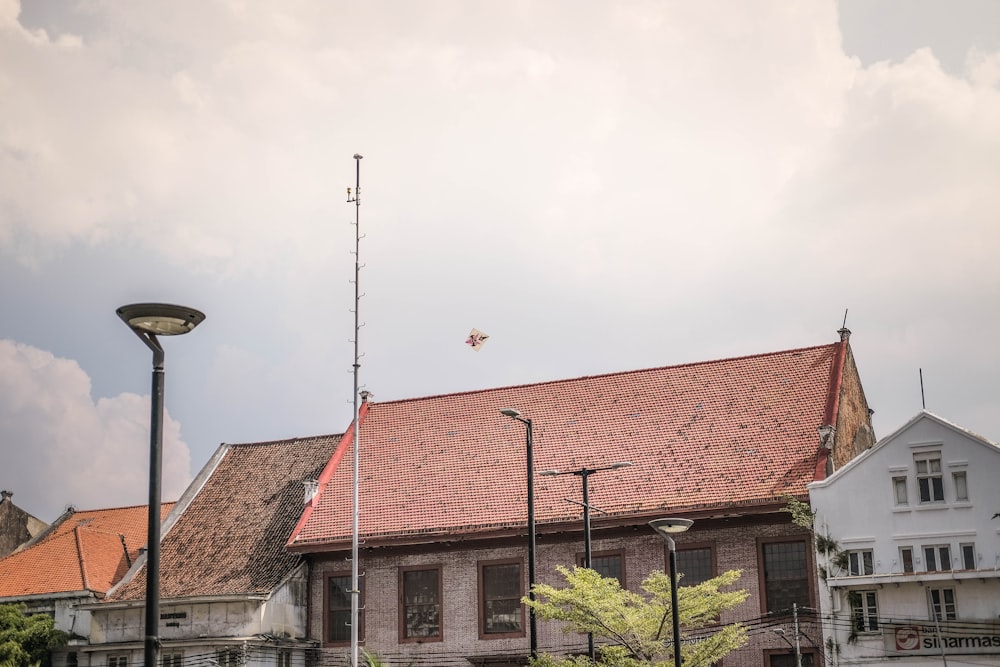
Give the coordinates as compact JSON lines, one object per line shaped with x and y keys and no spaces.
{"x":844,"y":332}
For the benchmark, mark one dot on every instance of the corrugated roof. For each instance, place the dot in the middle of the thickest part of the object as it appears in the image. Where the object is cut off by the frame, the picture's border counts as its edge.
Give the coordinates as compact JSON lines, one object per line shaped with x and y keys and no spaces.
{"x":83,"y":552}
{"x":731,"y":432}
{"x":230,"y":538}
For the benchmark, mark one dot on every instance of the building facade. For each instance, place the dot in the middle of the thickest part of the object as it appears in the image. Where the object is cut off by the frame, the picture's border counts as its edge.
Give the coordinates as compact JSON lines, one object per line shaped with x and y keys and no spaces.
{"x":443,"y":496}
{"x":230,"y":594}
{"x":911,"y":549}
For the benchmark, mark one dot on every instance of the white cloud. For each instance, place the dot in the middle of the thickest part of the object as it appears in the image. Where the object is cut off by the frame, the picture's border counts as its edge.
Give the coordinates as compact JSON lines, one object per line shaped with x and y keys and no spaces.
{"x":61,"y":448}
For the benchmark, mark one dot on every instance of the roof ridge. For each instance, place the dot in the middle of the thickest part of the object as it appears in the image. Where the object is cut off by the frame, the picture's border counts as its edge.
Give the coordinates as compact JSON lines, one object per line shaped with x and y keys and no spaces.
{"x":80,"y":558}
{"x":610,"y":374}
{"x":285,"y":441}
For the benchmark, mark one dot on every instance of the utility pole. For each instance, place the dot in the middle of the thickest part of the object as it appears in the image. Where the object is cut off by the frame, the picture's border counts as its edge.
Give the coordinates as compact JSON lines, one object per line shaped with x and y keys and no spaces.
{"x":356,"y":444}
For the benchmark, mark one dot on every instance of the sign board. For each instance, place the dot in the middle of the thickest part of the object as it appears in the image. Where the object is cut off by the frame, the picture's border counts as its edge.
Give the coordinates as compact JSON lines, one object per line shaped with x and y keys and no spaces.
{"x":955,"y":637}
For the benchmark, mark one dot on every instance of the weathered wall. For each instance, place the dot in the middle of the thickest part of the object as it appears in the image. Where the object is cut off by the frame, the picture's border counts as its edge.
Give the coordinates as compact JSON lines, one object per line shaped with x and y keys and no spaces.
{"x":736,"y":546}
{"x":854,"y":423}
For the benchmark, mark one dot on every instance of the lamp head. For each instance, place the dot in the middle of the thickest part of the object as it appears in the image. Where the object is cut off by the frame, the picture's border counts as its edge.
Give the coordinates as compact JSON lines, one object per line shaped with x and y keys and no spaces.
{"x":550,"y":473}
{"x":667,"y":527}
{"x":620,"y":464}
{"x":510,"y":412}
{"x":160,"y":319}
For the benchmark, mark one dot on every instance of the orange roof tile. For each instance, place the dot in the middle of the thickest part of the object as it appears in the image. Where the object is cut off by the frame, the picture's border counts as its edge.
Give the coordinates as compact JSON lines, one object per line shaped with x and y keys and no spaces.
{"x":82,"y":552}
{"x":731,"y":432}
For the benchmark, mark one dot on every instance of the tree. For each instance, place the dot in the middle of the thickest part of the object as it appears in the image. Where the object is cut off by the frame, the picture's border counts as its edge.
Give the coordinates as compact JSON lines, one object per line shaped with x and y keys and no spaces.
{"x":25,"y":641}
{"x":635,"y":627}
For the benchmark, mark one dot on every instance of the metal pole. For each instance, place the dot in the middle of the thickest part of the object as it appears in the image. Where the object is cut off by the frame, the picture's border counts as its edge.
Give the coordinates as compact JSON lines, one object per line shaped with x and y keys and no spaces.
{"x":673,"y":601}
{"x":356,"y":444}
{"x":151,"y":646}
{"x":584,"y":475}
{"x":532,"y":623}
{"x":798,"y":647}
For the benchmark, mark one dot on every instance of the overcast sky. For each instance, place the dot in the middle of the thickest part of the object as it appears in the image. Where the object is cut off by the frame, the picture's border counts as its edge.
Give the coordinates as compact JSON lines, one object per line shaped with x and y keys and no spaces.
{"x":599,"y":186}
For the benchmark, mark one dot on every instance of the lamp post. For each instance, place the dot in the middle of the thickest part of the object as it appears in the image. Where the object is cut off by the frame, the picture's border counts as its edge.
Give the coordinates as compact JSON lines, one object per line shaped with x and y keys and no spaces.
{"x":532,"y":624}
{"x":584,"y":474}
{"x":667,"y":528}
{"x":149,"y":320}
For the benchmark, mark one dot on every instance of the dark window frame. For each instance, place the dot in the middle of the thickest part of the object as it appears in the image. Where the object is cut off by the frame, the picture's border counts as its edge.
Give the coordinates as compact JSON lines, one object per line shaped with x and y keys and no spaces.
{"x":327,"y":576}
{"x":930,"y":482}
{"x":118,"y":660}
{"x":762,"y":570}
{"x":812,"y":654}
{"x":695,"y":546}
{"x":864,"y":612}
{"x":612,"y":553}
{"x":172,"y":658}
{"x":481,"y":567}
{"x":943,"y":610}
{"x":403,"y":570}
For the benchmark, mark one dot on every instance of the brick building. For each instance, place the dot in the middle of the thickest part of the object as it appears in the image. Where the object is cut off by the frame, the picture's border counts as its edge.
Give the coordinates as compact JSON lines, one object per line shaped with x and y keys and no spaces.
{"x":17,"y":527}
{"x":443,"y":497}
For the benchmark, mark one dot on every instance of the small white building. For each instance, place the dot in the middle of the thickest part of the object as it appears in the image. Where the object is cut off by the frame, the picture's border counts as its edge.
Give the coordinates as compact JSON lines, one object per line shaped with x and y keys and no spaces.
{"x":230,"y":594}
{"x":909,"y":550}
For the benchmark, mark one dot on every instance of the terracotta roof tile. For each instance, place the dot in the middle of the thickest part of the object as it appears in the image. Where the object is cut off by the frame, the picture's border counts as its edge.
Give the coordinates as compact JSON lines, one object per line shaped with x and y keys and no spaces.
{"x":230,"y":538}
{"x":729,"y":432}
{"x":81,"y":552}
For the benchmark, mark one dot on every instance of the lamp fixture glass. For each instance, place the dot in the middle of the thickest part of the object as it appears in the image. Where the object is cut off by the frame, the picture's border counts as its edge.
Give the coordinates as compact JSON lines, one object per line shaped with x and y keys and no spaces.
{"x":161,"y":319}
{"x":665,"y":526}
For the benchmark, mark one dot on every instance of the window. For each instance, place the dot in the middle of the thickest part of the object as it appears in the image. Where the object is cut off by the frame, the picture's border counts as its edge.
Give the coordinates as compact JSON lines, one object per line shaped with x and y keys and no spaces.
{"x":860,"y":563}
{"x":968,"y":556}
{"x":696,"y":564}
{"x":284,"y":658}
{"x":899,"y":489}
{"x":501,"y":587}
{"x":942,"y":604}
{"x":420,"y":611}
{"x":937,"y":558}
{"x":72,"y":660}
{"x":786,"y":576}
{"x":338,"y":609}
{"x":228,"y":657}
{"x":906,"y":558}
{"x":864,"y":610}
{"x":961,"y":487}
{"x":118,"y":660}
{"x":929,"y":477}
{"x":607,"y":564}
{"x":172,"y":659}
{"x":789,"y":660}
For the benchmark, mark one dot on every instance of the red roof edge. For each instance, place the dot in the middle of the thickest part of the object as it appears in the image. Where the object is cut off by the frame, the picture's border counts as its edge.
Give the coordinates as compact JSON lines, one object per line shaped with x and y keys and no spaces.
{"x":79,"y":557}
{"x":832,"y":401}
{"x":327,"y":474}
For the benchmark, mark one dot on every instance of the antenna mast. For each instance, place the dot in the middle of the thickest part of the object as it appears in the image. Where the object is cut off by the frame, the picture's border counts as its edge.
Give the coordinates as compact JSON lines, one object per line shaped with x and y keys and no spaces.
{"x":923,"y":401}
{"x":356,"y":444}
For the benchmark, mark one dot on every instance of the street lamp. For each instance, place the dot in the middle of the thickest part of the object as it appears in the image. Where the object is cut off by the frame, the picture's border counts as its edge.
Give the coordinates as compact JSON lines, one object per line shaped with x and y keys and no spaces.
{"x":584,"y":474}
{"x":149,"y":320}
{"x":667,"y":528}
{"x":532,"y":625}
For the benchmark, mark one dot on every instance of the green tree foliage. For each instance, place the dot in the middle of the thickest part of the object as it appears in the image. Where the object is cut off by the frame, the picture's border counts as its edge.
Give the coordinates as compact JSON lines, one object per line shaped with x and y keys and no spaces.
{"x":634,"y":629}
{"x":25,"y":641}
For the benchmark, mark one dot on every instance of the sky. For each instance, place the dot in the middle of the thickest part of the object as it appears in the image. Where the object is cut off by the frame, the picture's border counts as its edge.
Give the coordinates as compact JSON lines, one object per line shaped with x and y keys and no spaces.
{"x":599,"y":187}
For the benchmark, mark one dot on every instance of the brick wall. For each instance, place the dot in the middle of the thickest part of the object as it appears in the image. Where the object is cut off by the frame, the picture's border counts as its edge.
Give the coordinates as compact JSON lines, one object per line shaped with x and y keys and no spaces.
{"x":854,"y":426}
{"x":736,"y":543}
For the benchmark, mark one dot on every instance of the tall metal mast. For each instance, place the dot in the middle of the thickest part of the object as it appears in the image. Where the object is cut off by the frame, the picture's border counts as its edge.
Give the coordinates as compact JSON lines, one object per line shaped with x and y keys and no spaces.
{"x":356,"y":444}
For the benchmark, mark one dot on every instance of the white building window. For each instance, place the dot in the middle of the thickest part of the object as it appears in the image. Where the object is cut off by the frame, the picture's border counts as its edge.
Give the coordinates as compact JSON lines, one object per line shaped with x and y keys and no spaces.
{"x":284,"y":658}
{"x":937,"y":558}
{"x":968,"y":556}
{"x":906,"y":558}
{"x":172,"y":659}
{"x":860,"y":563}
{"x":899,"y":491}
{"x":929,"y":477}
{"x":228,"y":657}
{"x":942,"y":602}
{"x":118,"y":660}
{"x":961,"y":486}
{"x":864,"y":611}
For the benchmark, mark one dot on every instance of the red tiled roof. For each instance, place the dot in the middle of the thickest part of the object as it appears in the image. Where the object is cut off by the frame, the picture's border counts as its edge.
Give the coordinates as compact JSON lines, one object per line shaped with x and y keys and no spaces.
{"x":83,"y":552}
{"x":721,"y":433}
{"x":230,"y":539}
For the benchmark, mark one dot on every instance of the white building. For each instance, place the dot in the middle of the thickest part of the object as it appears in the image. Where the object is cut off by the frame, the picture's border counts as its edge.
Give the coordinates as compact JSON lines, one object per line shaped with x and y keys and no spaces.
{"x":910,"y":550}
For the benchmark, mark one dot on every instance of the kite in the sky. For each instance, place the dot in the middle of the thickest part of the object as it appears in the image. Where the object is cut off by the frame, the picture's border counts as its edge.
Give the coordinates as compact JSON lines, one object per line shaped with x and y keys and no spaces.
{"x":476,"y":339}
